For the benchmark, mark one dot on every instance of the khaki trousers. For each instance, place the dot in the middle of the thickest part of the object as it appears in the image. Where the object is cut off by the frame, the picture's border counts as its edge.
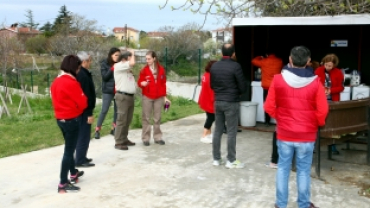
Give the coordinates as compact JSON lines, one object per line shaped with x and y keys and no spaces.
{"x":151,"y":106}
{"x":125,"y":111}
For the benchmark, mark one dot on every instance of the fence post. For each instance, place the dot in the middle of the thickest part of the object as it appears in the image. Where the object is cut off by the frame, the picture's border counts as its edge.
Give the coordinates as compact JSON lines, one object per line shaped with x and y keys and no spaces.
{"x":48,"y":80}
{"x":31,"y":81}
{"x":18,"y":80}
{"x":165,"y":60}
{"x":199,"y":63}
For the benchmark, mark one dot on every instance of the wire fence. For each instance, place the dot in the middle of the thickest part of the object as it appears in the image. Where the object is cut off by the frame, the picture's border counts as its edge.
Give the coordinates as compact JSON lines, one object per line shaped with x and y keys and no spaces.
{"x":38,"y":78}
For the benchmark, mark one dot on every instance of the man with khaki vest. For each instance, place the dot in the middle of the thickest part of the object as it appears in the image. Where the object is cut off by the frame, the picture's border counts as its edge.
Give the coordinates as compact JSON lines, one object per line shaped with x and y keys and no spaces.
{"x":125,"y":90}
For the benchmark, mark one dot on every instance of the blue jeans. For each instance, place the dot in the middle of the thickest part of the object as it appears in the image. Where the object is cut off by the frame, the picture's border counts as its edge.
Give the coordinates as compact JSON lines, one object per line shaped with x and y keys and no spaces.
{"x":70,"y":129}
{"x":107,"y":100}
{"x":303,"y":152}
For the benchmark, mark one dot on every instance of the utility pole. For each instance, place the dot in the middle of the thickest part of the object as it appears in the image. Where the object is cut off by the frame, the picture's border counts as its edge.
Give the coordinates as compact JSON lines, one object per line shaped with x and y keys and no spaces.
{"x":126,"y":35}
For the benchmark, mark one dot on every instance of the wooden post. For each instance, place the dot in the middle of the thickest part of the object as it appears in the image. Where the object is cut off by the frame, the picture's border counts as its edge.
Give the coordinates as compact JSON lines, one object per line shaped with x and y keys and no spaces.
{"x":3,"y":107}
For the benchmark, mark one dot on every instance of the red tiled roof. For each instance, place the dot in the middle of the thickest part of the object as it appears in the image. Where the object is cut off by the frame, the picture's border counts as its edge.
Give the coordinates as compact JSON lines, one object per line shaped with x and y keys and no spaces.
{"x":22,"y":30}
{"x":122,"y":29}
{"x":156,"y":34}
{"x":221,"y":29}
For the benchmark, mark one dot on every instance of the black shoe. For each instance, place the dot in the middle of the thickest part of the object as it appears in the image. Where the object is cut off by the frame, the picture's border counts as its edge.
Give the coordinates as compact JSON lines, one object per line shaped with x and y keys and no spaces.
{"x":146,"y":143}
{"x":97,"y":135}
{"x":161,"y":142}
{"x":88,"y":160}
{"x":239,"y":130}
{"x":85,"y":165}
{"x":112,"y":131}
{"x":67,"y":187}
{"x":74,"y":179}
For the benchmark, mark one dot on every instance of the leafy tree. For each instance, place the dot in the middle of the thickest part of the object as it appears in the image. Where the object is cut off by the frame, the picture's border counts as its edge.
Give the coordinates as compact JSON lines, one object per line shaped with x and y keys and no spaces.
{"x":37,"y":44}
{"x":47,"y":29}
{"x":228,"y":9}
{"x":142,"y":35}
{"x":30,"y":21}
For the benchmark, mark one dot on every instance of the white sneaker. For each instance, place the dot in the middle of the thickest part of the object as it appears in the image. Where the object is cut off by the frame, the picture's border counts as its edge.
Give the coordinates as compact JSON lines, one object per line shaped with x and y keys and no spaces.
{"x":206,"y":139}
{"x":217,"y":162}
{"x":271,"y":165}
{"x":235,"y":164}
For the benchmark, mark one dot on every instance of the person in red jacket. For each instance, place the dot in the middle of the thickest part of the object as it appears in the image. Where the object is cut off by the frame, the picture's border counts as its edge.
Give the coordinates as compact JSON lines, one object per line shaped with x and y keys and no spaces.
{"x":333,"y":79}
{"x":270,"y":66}
{"x":69,"y":102}
{"x":297,"y":101}
{"x":152,"y":81}
{"x":206,"y":102}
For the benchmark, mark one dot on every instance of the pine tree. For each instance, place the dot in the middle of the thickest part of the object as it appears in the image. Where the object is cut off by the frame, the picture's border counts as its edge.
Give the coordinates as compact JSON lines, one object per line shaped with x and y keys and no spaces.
{"x":30,"y":21}
{"x":62,"y":23}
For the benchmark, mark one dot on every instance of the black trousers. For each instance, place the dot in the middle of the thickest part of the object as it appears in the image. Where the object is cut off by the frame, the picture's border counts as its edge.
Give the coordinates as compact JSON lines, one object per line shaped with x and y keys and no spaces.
{"x":83,"y":140}
{"x":275,"y":154}
{"x":209,"y":120}
{"x":70,"y":129}
{"x":267,"y":116}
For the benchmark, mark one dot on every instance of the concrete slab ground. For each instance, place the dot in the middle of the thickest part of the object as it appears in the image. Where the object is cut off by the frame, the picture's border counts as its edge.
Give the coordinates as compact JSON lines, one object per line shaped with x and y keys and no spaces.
{"x":178,"y":174}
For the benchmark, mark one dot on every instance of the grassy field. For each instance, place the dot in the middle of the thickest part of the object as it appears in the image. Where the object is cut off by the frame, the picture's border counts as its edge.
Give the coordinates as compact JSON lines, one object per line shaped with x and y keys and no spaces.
{"x":25,"y":132}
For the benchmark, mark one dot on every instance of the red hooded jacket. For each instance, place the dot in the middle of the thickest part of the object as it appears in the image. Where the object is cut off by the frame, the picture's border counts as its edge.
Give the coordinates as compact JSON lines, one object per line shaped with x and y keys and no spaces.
{"x":207,"y":96}
{"x":156,"y":87}
{"x":299,"y":106}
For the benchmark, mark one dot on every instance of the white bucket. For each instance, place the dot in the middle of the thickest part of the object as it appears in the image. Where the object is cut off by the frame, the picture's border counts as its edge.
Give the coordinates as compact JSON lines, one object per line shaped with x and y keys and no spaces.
{"x":248,"y":113}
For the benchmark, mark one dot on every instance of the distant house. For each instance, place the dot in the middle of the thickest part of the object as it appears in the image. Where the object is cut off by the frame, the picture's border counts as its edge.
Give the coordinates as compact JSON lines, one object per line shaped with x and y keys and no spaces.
{"x":156,"y":35}
{"x":20,"y":32}
{"x":121,"y":33}
{"x":222,"y":35}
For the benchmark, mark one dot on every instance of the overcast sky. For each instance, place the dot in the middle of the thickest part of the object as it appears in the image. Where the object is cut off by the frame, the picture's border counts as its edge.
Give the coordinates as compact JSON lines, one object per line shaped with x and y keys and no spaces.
{"x":139,"y":14}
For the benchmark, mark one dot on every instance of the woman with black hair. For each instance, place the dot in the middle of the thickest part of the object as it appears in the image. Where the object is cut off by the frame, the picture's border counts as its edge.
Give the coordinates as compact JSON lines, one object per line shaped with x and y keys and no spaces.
{"x":69,"y":102}
{"x":108,"y":89}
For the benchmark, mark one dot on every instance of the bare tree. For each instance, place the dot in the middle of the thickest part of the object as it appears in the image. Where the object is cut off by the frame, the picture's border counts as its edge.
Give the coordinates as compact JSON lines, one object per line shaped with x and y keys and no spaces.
{"x":82,"y":36}
{"x":228,"y":9}
{"x":182,"y":42}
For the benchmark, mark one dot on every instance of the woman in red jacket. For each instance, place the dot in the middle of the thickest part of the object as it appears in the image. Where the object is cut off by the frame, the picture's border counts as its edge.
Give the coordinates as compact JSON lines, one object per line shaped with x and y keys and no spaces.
{"x":332,"y":78}
{"x":69,"y":102}
{"x":206,"y":102}
{"x":152,"y":81}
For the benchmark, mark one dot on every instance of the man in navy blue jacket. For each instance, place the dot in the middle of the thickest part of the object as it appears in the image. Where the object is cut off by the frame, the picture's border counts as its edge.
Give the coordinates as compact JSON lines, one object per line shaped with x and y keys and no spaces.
{"x":85,"y":79}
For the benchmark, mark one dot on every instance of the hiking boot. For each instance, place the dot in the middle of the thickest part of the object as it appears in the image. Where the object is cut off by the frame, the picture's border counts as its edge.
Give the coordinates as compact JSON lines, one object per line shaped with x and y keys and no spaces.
{"x":236,"y":164}
{"x":74,"y":178}
{"x":121,"y":147}
{"x":161,"y":142}
{"x":129,"y":143}
{"x":97,"y":135}
{"x":146,"y":143}
{"x":64,"y":188}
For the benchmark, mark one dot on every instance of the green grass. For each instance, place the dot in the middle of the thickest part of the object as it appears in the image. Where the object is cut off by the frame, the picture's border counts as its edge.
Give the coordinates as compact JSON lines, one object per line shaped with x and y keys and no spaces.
{"x":26,"y":132}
